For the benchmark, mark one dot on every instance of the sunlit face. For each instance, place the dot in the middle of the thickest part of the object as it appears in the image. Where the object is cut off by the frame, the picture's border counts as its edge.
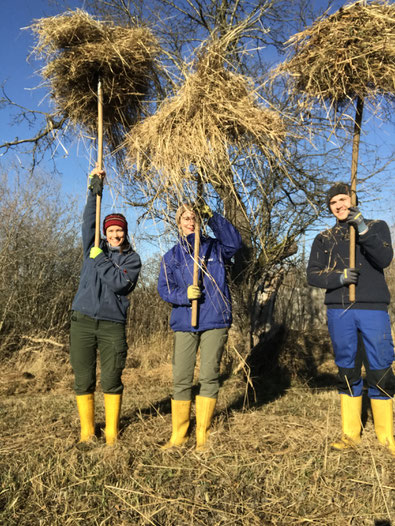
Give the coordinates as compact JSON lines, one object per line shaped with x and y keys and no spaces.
{"x":115,"y":235}
{"x":339,"y":205}
{"x":187,"y":223}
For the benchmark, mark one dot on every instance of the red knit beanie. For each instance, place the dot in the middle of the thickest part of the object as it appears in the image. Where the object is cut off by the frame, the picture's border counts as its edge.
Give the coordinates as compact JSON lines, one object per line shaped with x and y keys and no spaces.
{"x":115,"y":219}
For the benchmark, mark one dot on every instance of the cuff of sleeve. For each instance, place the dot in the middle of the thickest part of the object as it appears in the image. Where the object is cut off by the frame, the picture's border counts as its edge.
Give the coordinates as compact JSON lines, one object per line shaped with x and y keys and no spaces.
{"x":362,"y":228}
{"x":99,"y":258}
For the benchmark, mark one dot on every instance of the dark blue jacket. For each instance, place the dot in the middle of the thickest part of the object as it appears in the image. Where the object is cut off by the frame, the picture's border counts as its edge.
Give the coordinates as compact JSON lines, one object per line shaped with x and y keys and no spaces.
{"x":106,"y":280}
{"x":176,"y":274}
{"x":330,"y":256}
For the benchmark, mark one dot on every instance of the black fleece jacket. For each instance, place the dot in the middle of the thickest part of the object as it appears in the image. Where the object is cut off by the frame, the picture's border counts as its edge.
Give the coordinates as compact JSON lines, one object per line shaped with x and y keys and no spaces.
{"x":330,"y":256}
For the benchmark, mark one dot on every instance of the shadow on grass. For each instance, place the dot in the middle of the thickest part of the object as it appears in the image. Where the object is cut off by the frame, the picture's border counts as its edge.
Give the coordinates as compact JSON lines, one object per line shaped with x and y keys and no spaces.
{"x":272,"y":366}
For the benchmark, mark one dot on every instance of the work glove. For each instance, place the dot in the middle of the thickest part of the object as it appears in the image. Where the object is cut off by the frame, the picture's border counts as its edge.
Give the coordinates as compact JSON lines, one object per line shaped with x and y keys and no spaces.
{"x":95,"y":251}
{"x":95,"y":184}
{"x":203,"y":209}
{"x":194,"y":292}
{"x":356,"y":219}
{"x":349,"y":276}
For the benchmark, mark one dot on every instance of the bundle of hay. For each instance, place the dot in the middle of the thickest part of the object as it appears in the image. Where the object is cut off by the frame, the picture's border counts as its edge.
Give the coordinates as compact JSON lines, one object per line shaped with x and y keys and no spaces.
{"x":79,"y":50}
{"x":347,"y":55}
{"x":214,"y":110}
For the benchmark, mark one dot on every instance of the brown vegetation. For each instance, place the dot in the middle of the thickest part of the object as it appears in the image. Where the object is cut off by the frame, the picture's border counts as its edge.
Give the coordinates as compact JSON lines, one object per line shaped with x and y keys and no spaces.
{"x":79,"y":51}
{"x":346,"y":55}
{"x":269,"y":460}
{"x":214,"y":110}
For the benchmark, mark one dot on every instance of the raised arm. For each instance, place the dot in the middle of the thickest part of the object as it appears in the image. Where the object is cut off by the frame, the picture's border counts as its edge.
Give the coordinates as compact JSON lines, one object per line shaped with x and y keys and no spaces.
{"x":376,"y":243}
{"x":227,"y":235}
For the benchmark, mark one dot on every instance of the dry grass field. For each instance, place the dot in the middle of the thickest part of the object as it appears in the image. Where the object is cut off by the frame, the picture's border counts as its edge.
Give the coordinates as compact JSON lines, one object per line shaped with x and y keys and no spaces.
{"x":269,"y":460}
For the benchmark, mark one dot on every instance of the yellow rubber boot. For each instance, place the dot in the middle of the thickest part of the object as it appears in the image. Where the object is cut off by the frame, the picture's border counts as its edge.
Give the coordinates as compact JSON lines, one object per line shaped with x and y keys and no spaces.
{"x":204,"y":414}
{"x":383,"y":422}
{"x":351,"y":409}
{"x":86,"y":410}
{"x":180,"y":416}
{"x":112,"y":409}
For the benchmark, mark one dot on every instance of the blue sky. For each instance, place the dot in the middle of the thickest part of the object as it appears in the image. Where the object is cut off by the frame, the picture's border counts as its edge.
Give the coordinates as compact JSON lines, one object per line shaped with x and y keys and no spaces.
{"x":21,"y":85}
{"x":21,"y":82}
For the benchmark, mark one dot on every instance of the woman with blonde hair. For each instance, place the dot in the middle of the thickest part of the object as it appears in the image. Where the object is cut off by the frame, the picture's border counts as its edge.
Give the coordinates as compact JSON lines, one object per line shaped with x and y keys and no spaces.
{"x":214,"y":316}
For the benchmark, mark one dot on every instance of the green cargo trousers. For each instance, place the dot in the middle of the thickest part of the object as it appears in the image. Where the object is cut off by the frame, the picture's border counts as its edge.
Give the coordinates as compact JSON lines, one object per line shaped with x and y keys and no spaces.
{"x":87,"y":336}
{"x":186,"y":345}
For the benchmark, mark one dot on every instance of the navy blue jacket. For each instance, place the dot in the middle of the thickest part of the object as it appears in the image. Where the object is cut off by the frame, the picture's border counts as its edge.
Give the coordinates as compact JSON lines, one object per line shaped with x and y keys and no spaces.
{"x":106,"y":280}
{"x":176,"y":274}
{"x":330,"y":256}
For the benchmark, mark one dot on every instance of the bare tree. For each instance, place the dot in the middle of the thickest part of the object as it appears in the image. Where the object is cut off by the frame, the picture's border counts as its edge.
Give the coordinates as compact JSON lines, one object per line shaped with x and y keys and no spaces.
{"x":271,"y":204}
{"x":40,"y":258}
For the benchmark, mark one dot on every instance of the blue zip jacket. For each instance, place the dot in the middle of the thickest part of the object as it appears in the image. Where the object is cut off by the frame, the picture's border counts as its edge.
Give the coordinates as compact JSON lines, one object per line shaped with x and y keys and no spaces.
{"x":106,"y":280}
{"x":176,"y":274}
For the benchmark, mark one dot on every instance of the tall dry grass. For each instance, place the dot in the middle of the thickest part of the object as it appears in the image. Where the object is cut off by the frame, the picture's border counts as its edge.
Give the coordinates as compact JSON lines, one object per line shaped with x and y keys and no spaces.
{"x":269,"y":460}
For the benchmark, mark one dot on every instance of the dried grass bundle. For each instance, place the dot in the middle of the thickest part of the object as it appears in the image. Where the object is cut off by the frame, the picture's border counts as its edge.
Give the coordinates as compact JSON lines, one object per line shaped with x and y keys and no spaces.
{"x":78,"y":50}
{"x":214,"y":109}
{"x":346,"y":55}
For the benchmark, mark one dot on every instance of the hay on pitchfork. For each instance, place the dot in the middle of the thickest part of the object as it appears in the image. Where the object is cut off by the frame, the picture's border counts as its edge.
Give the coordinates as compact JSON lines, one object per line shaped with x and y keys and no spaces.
{"x":78,"y":50}
{"x":214,"y":110}
{"x":346,"y":55}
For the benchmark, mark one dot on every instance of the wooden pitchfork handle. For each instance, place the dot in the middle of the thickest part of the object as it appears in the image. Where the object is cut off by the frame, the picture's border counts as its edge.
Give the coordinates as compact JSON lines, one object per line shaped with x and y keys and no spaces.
{"x":354,"y":166}
{"x":99,"y":156}
{"x":195,"y":303}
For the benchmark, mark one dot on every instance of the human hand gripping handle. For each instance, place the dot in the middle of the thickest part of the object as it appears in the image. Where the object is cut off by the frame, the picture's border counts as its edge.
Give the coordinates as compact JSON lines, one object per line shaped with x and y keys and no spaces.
{"x":96,"y":178}
{"x":202,"y":209}
{"x":349,"y":276}
{"x":356,"y":219}
{"x":97,"y":175}
{"x":194,"y":292}
{"x":94,"y":252}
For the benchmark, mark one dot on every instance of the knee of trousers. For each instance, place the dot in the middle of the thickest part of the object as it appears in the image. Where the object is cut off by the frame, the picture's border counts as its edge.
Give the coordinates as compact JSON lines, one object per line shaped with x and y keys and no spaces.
{"x":84,"y":383}
{"x":383,"y":380}
{"x":346,"y":378}
{"x":112,"y":383}
{"x":209,"y":390}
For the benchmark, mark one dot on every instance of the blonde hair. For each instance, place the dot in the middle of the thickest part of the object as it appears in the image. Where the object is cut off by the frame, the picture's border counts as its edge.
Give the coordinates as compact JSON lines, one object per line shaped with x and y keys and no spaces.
{"x":185,"y":207}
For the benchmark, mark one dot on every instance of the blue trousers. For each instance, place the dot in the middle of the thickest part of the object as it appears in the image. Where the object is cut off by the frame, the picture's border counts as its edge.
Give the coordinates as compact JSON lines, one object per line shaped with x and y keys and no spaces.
{"x":363,"y":337}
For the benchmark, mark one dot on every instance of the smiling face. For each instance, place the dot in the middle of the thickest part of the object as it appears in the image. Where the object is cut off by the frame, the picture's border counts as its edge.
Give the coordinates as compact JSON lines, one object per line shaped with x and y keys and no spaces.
{"x":339,"y":206}
{"x":115,"y":235}
{"x":187,"y":223}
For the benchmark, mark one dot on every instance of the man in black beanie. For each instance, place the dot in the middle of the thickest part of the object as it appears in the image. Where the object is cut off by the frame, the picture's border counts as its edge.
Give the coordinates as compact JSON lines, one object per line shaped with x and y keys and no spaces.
{"x":367,"y":316}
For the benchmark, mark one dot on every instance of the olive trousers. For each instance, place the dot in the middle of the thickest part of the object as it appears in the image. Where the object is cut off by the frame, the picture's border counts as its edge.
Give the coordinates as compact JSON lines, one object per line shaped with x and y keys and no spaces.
{"x":87,"y":336}
{"x":186,"y":345}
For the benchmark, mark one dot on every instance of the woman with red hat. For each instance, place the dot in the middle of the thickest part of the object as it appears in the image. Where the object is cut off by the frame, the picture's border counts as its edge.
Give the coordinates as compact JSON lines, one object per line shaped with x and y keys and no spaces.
{"x":99,"y":310}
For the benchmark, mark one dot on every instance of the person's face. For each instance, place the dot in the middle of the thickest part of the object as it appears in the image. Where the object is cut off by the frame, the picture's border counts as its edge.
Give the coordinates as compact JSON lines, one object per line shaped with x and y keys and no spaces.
{"x":187,"y":223}
{"x":115,"y":235}
{"x":339,"y":205}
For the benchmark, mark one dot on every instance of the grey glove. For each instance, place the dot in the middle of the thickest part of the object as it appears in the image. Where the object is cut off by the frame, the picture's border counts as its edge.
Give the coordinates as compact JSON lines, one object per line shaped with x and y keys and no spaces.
{"x":349,"y":276}
{"x":95,"y":184}
{"x":356,"y":219}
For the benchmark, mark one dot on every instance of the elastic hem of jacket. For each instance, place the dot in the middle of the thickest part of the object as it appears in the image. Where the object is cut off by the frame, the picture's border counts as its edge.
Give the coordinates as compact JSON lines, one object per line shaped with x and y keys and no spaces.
{"x":200,"y":329}
{"x":99,"y":318}
{"x":359,"y":306}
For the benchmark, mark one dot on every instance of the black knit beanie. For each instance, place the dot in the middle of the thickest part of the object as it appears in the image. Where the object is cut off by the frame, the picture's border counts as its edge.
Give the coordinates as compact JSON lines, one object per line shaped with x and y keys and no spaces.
{"x":336,"y":189}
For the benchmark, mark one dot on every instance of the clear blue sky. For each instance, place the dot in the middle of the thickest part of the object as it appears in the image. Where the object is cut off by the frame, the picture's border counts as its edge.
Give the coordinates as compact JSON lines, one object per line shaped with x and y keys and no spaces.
{"x":21,"y":79}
